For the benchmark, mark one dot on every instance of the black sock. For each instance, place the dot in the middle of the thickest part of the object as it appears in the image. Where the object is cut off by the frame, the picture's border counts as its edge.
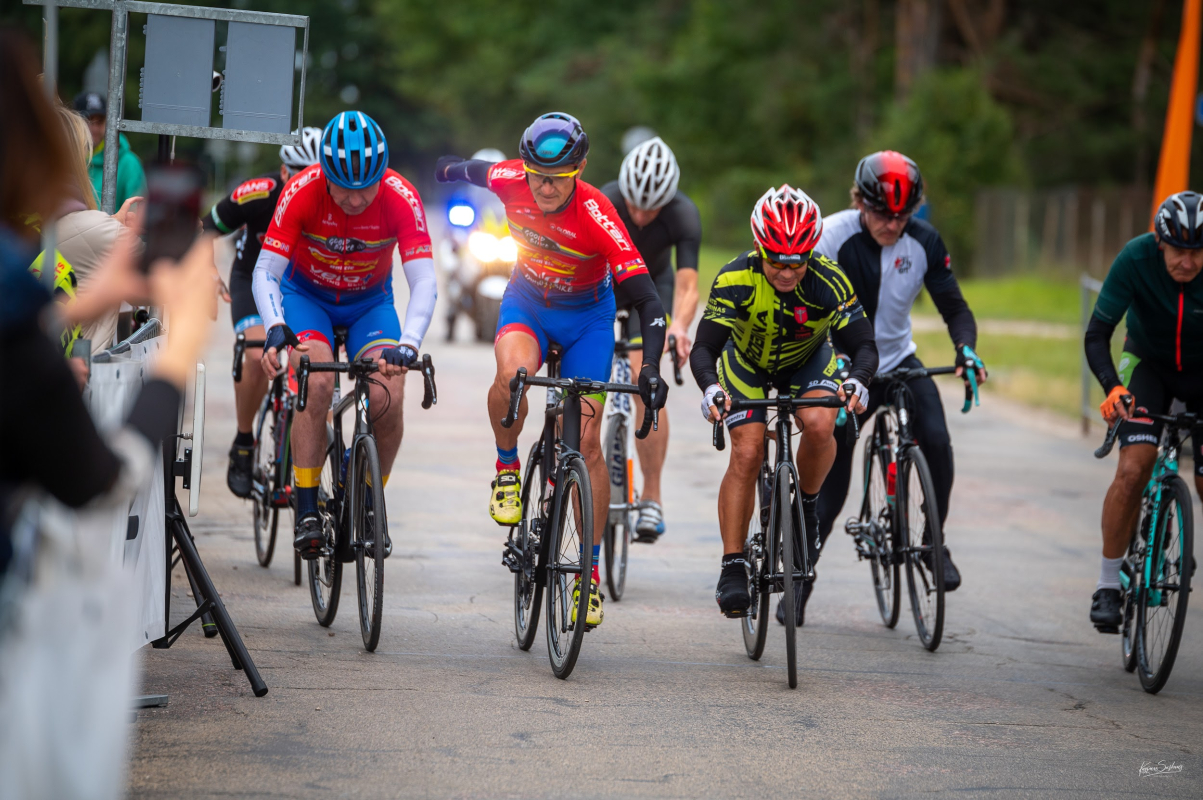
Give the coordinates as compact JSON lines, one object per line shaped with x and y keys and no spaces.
{"x":730,"y":558}
{"x":244,"y":439}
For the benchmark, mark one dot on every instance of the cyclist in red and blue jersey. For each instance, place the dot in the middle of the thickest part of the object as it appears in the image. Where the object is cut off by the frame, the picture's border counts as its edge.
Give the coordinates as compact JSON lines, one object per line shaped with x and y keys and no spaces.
{"x":327,"y":260}
{"x":572,"y":250}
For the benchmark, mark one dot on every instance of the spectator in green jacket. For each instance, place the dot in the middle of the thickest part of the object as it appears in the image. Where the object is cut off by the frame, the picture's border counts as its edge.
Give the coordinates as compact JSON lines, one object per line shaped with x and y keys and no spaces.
{"x":131,"y":181}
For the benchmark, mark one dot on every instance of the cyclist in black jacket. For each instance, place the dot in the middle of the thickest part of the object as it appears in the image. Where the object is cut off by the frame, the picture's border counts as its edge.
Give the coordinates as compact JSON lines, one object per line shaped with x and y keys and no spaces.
{"x":658,"y":218}
{"x":249,"y":208}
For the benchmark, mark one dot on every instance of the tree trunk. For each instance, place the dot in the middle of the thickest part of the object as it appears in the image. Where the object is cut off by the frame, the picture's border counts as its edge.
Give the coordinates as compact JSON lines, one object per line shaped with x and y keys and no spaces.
{"x":1140,"y":92}
{"x":916,"y":33}
{"x":864,"y":49}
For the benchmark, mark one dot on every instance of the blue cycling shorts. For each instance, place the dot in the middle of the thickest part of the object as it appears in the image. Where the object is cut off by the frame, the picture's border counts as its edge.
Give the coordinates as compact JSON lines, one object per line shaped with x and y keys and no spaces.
{"x":371,"y":323}
{"x":582,"y":326}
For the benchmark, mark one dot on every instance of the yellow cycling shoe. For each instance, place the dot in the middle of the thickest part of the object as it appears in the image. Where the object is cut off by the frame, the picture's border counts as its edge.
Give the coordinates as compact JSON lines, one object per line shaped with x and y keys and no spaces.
{"x":505,"y":504}
{"x":595,"y":615}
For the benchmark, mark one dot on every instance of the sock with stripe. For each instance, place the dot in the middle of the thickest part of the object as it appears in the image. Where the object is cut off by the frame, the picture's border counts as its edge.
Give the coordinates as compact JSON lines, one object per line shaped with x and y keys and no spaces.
{"x":305,"y":480}
{"x":507,"y":459}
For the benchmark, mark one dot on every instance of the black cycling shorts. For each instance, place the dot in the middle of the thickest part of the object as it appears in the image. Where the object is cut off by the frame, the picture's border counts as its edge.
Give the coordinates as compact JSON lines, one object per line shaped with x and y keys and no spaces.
{"x":665,"y":282}
{"x":742,"y":380}
{"x":243,"y":311}
{"x":1155,"y":389}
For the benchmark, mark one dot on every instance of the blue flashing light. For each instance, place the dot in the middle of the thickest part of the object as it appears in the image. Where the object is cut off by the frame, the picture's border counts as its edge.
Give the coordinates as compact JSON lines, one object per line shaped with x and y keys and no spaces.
{"x":461,"y":215}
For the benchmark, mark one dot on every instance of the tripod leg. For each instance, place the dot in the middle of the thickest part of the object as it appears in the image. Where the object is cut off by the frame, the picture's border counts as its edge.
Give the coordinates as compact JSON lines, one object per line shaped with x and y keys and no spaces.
{"x":225,"y":625}
{"x":207,"y":625}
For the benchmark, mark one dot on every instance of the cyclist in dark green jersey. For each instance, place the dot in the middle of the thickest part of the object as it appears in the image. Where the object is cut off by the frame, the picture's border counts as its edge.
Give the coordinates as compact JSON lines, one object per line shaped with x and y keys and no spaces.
{"x":1156,"y":282}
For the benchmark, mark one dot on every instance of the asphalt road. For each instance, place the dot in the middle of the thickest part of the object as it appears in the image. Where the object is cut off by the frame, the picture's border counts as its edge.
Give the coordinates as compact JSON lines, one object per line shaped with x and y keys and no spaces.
{"x":1023,"y":698}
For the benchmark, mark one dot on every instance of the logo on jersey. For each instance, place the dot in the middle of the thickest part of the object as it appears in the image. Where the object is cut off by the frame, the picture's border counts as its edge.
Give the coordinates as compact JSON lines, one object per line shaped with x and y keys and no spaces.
{"x":565,"y":231}
{"x":395,"y":183}
{"x":947,"y":262}
{"x":607,"y":224}
{"x":658,"y":322}
{"x":537,"y":239}
{"x":276,"y":244}
{"x":290,"y":191}
{"x":800,"y":316}
{"x":902,"y":264}
{"x":500,"y":173}
{"x":254,"y":189}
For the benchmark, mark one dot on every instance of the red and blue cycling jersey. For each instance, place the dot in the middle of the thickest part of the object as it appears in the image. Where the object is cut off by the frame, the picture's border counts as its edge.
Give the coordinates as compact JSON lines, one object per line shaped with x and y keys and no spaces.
{"x":578,"y":251}
{"x":340,"y":257}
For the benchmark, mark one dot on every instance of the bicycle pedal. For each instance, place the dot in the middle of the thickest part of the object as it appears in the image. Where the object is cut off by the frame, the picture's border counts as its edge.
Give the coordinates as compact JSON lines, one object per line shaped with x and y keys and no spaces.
{"x":1106,"y":628}
{"x":734,"y":614}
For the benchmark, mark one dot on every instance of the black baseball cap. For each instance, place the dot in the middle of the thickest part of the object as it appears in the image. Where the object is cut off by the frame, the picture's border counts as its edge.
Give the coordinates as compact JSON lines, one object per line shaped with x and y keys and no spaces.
{"x":91,"y":104}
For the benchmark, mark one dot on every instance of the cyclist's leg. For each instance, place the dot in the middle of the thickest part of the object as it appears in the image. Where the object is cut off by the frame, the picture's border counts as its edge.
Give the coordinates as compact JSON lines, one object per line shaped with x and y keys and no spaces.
{"x":654,"y":448}
{"x":816,"y":445}
{"x":520,"y":342}
{"x":737,"y":493}
{"x":834,"y":493}
{"x":931,"y":432}
{"x":248,"y":393}
{"x":311,"y":323}
{"x":370,"y":330}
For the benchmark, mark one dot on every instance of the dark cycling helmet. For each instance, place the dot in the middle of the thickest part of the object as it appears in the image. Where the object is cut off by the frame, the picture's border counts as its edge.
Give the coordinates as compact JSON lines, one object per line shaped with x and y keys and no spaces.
{"x":354,"y":153}
{"x":1179,"y":221}
{"x":553,"y":140}
{"x":889,"y":182}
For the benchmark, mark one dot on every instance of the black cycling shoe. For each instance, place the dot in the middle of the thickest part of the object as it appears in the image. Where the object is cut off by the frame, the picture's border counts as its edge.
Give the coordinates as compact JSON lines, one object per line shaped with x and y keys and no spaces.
{"x":801,"y":595}
{"x":310,"y":538}
{"x":1106,"y":610}
{"x":732,"y":593}
{"x":238,"y":476}
{"x":952,"y":576}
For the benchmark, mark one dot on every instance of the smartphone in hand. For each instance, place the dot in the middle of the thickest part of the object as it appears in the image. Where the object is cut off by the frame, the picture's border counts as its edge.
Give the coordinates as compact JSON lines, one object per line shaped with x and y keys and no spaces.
{"x":173,"y":208}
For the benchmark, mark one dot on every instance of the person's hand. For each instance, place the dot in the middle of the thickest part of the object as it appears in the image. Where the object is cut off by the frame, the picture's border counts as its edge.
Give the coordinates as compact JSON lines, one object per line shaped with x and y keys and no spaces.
{"x":397,"y":360}
{"x":1114,"y":409}
{"x":181,"y":290}
{"x":129,"y":216}
{"x":710,"y":411}
{"x":278,"y":337}
{"x":79,"y":368}
{"x":965,"y":354}
{"x":683,"y":342}
{"x":223,"y":291}
{"x":440,"y":167}
{"x":855,"y":396}
{"x":657,"y":399}
{"x":117,"y":279}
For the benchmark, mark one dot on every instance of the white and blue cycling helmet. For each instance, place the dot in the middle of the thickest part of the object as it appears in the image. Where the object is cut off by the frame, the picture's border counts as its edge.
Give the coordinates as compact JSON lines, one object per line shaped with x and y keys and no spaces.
{"x":354,"y":153}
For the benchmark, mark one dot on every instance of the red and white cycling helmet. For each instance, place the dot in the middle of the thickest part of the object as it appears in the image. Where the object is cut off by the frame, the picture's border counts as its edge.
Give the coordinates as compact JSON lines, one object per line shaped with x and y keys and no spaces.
{"x":786,"y":224}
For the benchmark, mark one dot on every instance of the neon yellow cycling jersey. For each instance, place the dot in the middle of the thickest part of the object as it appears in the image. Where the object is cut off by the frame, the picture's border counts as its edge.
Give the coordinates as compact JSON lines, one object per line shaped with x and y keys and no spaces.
{"x":775,"y":330}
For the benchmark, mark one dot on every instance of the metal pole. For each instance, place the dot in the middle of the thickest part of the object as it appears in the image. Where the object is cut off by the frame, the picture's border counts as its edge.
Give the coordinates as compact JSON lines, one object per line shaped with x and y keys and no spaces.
{"x":1085,"y":319}
{"x":112,"y":129}
{"x":50,"y":84}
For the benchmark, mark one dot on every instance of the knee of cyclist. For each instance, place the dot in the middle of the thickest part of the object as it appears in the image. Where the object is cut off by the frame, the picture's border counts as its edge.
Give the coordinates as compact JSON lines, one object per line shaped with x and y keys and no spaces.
{"x":745,"y":458}
{"x":819,"y":427}
{"x":1132,"y":473}
{"x":321,"y":390}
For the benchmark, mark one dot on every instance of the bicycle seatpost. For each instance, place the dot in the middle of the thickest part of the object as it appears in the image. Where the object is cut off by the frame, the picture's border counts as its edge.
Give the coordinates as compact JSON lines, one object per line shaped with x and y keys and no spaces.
{"x":719,"y":440}
{"x":517,"y":387}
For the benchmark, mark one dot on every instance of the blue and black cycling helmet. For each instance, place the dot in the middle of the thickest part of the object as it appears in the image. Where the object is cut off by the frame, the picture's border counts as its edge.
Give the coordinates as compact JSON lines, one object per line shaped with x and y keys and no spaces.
{"x":1179,"y":221}
{"x":553,"y":140}
{"x":354,"y":153}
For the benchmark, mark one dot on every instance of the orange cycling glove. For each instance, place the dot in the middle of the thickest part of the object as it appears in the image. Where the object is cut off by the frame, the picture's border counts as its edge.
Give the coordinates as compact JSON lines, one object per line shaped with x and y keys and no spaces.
{"x":1110,"y":406}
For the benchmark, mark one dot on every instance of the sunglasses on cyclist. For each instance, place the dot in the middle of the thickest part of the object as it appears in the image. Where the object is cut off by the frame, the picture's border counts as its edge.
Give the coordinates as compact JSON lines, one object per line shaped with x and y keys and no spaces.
{"x":794,"y":261}
{"x":886,"y":216}
{"x":548,"y":177}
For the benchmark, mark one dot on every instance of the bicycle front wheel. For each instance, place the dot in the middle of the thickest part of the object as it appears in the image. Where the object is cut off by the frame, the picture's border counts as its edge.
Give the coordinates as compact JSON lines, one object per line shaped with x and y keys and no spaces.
{"x":528,"y":590}
{"x":785,"y":528}
{"x":755,"y":625}
{"x":1131,"y":568}
{"x":877,"y":521}
{"x":326,"y":571}
{"x":920,"y":519}
{"x":569,"y":560}
{"x":369,"y":534}
{"x":1161,"y":602}
{"x":264,"y":479}
{"x":617,"y":537}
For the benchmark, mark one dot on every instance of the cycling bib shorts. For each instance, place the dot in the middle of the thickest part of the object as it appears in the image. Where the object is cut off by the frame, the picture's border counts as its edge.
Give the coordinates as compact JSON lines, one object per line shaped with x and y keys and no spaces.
{"x":371,"y":323}
{"x":1154,"y":389}
{"x":745,"y":381}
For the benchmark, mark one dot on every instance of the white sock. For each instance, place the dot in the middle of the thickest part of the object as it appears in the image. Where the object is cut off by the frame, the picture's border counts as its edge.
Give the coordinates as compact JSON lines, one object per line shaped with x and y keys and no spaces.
{"x":1109,"y":573}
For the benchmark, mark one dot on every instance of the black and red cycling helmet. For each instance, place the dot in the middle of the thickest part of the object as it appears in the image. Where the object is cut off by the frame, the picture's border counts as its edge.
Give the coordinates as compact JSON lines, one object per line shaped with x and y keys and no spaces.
{"x":1179,"y":221}
{"x":889,"y":182}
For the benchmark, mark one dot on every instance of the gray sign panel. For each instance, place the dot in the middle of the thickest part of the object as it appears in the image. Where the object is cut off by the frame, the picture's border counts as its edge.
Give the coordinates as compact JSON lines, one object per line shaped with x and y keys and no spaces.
{"x":177,"y":81}
{"x":260,"y":62}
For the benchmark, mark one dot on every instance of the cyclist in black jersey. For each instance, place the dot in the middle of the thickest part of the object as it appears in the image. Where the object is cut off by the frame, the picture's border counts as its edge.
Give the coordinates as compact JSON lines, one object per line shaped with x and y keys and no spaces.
{"x":249,"y":209}
{"x":658,"y":217}
{"x":1157,"y":282}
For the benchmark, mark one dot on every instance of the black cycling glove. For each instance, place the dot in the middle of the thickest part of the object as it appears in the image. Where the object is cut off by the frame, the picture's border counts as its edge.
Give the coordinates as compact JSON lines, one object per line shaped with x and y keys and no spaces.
{"x":279,"y":336}
{"x":652,"y":400}
{"x":400,"y":356}
{"x":965,"y":354}
{"x":440,"y":168}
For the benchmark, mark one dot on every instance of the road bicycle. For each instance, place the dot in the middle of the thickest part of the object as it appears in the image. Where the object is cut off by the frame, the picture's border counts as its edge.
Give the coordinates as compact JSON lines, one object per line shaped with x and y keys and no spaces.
{"x":271,"y":476}
{"x":621,"y":463}
{"x":776,"y":552}
{"x":551,"y":547}
{"x":351,"y":493}
{"x":1155,"y":576}
{"x":899,"y":522}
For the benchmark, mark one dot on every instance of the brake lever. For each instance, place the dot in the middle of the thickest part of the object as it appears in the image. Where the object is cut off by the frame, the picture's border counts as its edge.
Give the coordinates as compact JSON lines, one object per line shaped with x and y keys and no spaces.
{"x":239,"y":352}
{"x":971,"y":395}
{"x":718,"y":439}
{"x":303,"y":384}
{"x":430,"y":395}
{"x":651,"y":416}
{"x":517,"y":387}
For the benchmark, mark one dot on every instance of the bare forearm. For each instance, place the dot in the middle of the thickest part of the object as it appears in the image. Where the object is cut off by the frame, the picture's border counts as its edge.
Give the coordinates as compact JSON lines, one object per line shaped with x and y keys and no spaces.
{"x":685,"y":297}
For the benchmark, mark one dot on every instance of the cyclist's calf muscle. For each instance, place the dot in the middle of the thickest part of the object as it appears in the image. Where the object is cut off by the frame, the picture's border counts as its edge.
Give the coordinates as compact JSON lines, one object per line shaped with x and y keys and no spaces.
{"x":515,"y":349}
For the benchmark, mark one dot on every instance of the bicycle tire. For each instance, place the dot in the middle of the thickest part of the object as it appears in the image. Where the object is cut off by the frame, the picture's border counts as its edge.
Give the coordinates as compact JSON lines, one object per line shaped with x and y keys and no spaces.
{"x":755,"y":625}
{"x":326,"y":571}
{"x":877,"y":512}
{"x":914,"y":478}
{"x":1128,"y":628}
{"x":264,"y":477}
{"x":785,"y":528}
{"x":1169,"y":587}
{"x":528,"y":590}
{"x":573,"y":503}
{"x":369,"y":526}
{"x":617,"y":537}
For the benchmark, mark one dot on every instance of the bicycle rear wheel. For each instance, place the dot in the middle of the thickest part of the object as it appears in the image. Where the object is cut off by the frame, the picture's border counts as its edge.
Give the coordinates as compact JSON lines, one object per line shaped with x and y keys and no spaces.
{"x":326,"y":571}
{"x":620,"y":522}
{"x":785,"y":528}
{"x":264,"y":479}
{"x":755,"y":625}
{"x":369,"y":527}
{"x":528,"y":591}
{"x":877,"y":520}
{"x":569,"y":558}
{"x":1161,"y":602}
{"x":924,"y":550}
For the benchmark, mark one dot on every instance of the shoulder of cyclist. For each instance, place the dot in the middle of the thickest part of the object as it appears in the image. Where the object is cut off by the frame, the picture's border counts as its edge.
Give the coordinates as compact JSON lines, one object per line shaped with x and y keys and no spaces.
{"x":252,"y":201}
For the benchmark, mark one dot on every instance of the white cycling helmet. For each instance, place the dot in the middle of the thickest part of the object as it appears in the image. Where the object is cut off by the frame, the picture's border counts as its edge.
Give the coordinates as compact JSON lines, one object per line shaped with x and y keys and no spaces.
{"x":649,"y":175}
{"x":298,"y":156}
{"x":489,"y":154}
